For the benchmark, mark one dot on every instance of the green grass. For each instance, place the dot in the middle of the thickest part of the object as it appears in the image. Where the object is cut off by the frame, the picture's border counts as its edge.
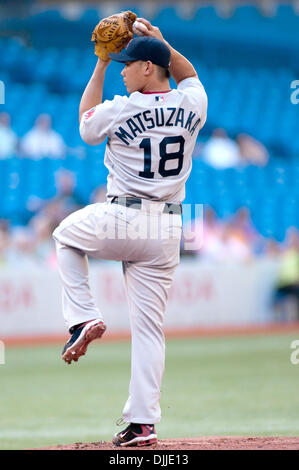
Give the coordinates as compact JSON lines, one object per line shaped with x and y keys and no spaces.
{"x":211,"y":386}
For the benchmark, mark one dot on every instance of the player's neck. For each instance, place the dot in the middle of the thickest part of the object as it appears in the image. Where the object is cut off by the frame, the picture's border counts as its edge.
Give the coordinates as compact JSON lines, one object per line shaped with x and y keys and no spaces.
{"x":156,"y":86}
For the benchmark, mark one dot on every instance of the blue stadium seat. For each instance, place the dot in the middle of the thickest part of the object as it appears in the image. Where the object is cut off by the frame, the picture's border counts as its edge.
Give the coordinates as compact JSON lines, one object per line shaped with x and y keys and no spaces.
{"x":90,"y":16}
{"x":247,"y":14}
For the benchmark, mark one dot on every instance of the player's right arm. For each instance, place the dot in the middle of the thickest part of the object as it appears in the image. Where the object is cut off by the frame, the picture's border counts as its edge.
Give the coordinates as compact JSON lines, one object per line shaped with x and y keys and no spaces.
{"x":96,"y":116}
{"x":93,"y":92}
{"x":180,"y":67}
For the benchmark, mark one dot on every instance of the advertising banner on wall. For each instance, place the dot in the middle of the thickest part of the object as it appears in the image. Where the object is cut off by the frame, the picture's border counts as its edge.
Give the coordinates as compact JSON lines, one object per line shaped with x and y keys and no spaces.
{"x":201,"y":295}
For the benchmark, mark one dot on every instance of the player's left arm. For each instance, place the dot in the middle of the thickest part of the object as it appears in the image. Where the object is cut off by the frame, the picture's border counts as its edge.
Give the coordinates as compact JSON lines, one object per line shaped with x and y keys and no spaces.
{"x":93,"y":93}
{"x":180,"y":67}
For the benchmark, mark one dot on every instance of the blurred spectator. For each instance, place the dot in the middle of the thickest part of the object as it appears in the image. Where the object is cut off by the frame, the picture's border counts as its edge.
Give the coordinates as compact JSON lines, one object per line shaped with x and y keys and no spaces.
{"x":4,"y":239}
{"x":222,"y":241}
{"x":227,"y":247}
{"x":8,"y":139}
{"x":211,"y":230}
{"x":211,"y":227}
{"x":287,"y":291}
{"x":197,"y":231}
{"x":272,"y":249}
{"x":67,"y":199}
{"x":46,"y":215}
{"x":42,"y":228}
{"x":22,"y":248}
{"x":245,"y":231}
{"x":220,"y":151}
{"x":42,"y":141}
{"x":252,"y":152}
{"x":64,"y":202}
{"x":99,"y":194}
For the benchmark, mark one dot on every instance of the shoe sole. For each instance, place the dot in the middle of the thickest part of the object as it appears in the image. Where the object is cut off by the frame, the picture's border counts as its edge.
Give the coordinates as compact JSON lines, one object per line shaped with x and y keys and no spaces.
{"x":79,"y":348}
{"x":137,"y":442}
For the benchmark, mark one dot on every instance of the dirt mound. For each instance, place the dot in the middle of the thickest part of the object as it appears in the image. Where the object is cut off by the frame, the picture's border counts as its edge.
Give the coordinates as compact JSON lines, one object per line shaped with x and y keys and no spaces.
{"x":200,"y":443}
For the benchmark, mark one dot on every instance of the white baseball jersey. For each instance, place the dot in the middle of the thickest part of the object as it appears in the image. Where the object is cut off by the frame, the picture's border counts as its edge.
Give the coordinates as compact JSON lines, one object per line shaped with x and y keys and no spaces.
{"x":151,"y":137}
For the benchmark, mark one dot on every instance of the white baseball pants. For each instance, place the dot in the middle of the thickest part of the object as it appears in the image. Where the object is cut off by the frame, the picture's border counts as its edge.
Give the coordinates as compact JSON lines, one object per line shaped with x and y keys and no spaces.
{"x":147,"y":241}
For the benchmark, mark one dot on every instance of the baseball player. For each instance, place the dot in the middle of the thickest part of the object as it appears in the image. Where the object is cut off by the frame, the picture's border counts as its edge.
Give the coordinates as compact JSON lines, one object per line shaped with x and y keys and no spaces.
{"x":151,"y":135}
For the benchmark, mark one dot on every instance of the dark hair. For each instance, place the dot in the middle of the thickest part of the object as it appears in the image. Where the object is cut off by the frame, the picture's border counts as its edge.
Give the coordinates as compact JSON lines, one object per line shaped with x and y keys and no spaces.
{"x":163,"y":72}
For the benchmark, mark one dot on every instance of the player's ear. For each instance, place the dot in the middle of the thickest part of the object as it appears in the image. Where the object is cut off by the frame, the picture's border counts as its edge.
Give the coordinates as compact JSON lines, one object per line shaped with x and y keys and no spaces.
{"x":148,"y":70}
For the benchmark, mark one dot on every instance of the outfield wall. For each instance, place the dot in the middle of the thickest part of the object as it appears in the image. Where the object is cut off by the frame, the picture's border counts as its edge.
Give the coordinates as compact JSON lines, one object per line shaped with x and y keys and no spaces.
{"x":202,"y":295}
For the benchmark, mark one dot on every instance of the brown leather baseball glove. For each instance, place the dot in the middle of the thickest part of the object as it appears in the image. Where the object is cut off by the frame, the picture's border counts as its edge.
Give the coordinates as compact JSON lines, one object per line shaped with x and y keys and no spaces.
{"x":112,"y":34}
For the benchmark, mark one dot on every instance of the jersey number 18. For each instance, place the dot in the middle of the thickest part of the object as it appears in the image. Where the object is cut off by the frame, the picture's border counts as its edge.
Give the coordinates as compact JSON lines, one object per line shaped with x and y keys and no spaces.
{"x":145,"y":144}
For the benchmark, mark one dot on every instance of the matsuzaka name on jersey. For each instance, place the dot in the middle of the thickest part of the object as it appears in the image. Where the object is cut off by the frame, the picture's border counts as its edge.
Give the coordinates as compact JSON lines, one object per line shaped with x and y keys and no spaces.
{"x":157,"y":117}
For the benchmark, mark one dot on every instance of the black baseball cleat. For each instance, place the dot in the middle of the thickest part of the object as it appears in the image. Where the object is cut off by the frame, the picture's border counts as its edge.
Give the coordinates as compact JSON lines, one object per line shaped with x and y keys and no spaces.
{"x":82,"y":335}
{"x":136,"y":435}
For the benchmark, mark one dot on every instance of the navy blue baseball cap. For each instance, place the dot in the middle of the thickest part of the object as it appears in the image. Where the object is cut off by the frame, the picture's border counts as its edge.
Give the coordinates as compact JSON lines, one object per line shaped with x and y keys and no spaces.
{"x":144,"y":48}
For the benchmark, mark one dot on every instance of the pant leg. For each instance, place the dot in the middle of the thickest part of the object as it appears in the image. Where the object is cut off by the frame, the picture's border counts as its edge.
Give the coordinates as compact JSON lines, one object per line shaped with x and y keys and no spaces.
{"x":76,"y":237}
{"x":78,"y":304}
{"x":147,"y":291}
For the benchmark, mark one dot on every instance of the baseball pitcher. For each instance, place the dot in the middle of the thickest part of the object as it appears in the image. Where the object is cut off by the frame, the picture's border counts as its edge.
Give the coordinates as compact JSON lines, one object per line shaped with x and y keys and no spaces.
{"x":151,"y":135}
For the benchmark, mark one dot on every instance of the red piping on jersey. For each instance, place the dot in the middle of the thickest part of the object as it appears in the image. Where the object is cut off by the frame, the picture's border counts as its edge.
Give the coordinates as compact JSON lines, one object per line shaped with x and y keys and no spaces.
{"x":155,"y":92}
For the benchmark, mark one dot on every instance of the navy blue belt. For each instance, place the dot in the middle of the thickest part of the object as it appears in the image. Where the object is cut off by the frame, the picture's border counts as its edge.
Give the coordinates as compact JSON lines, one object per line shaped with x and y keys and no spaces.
{"x":169,"y":208}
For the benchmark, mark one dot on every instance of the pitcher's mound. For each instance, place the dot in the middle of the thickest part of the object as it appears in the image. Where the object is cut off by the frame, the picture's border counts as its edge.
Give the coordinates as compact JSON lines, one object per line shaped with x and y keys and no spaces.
{"x":197,"y":443}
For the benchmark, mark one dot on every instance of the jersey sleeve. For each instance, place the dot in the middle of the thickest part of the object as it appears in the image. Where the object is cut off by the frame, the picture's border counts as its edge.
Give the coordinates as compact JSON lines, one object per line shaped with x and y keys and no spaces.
{"x":196,"y":93}
{"x":96,"y":123}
